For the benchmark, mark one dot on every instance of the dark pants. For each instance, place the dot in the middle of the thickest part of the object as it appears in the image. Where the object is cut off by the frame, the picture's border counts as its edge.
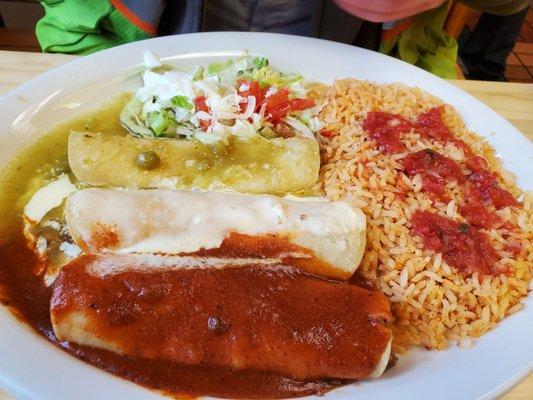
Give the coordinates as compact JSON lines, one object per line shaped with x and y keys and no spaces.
{"x":485,"y":52}
{"x":315,"y":18}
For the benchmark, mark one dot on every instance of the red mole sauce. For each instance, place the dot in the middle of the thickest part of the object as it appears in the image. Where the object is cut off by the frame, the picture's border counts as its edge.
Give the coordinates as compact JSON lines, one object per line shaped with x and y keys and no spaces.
{"x":24,"y":291}
{"x":462,"y":245}
{"x":257,"y":318}
{"x":240,"y":245}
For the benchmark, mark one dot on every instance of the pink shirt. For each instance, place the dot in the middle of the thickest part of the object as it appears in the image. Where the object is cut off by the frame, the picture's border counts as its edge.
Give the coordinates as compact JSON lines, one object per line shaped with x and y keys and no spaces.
{"x":386,"y":10}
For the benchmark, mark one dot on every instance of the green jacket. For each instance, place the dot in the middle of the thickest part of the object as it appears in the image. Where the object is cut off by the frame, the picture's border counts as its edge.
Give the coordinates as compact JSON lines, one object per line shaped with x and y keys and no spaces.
{"x":83,"y":27}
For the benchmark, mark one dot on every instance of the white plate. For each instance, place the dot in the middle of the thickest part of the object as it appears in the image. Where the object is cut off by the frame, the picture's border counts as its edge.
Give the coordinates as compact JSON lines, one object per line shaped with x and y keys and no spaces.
{"x":33,"y":368}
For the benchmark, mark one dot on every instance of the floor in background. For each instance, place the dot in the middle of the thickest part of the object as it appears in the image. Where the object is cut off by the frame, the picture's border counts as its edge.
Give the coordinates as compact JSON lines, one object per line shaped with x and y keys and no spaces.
{"x":520,"y":61}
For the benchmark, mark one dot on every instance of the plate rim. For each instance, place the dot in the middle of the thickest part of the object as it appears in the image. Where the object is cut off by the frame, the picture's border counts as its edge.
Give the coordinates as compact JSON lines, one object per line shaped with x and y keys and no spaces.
{"x":128,"y":48}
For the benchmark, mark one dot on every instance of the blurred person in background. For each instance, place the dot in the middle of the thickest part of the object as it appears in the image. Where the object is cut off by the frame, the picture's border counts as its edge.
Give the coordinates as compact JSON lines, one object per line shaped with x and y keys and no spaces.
{"x":419,"y":37}
{"x":411,"y":30}
{"x":82,"y":27}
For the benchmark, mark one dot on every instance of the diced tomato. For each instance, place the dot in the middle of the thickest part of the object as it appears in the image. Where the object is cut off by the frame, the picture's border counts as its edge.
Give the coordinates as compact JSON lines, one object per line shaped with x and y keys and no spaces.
{"x":431,"y":125}
{"x":204,"y":124}
{"x":461,"y":144}
{"x":400,"y":196}
{"x":462,"y":245}
{"x":253,"y":89}
{"x":301,"y":104}
{"x":199,"y":104}
{"x":509,"y":226}
{"x":385,"y":128}
{"x":514,"y":246}
{"x":402,"y":188}
{"x":476,"y":164}
{"x":488,"y":189}
{"x":327,"y":133}
{"x":501,"y":198}
{"x":479,"y":215}
{"x":436,"y":171}
{"x":277,"y":105}
{"x":399,"y":184}
{"x":435,"y":187}
{"x":430,"y":161}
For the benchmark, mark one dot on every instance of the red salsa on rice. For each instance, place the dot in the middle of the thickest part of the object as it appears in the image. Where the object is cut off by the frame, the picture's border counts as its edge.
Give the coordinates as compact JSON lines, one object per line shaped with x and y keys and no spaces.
{"x":435,"y":169}
{"x":430,"y":124}
{"x":385,"y":128}
{"x":477,"y":214}
{"x":481,"y":193}
{"x":462,"y":245}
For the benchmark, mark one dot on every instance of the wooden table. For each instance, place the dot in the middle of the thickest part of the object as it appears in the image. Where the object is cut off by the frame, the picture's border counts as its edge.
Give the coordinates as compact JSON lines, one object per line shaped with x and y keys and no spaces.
{"x":512,"y":100}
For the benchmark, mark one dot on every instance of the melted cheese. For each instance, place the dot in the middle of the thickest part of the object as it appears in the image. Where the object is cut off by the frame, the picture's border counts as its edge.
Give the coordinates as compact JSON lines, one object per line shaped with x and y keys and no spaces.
{"x":173,"y":222}
{"x":47,"y":198}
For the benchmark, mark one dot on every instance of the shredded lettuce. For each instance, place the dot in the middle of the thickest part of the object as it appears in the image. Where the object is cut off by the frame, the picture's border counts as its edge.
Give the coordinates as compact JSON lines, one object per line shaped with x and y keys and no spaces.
{"x":181,"y":101}
{"x":268,"y":132}
{"x":159,"y":122}
{"x":198,"y":75}
{"x":216,"y":68}
{"x":260,"y":62}
{"x":162,"y":68}
{"x":267,"y":76}
{"x":163,"y":107}
{"x":229,"y":75}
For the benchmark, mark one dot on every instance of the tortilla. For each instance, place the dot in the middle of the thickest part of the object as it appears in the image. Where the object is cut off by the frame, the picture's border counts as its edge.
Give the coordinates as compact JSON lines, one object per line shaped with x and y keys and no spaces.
{"x":256,"y":165}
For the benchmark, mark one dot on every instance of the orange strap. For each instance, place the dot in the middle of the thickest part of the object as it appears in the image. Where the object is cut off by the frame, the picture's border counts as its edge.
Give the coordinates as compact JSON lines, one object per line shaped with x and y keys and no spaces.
{"x":134,"y":18}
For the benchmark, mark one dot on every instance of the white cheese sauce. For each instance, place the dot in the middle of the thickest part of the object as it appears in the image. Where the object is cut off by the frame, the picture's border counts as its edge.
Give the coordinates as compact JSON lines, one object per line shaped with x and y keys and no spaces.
{"x":174,"y":221}
{"x":47,"y":198}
